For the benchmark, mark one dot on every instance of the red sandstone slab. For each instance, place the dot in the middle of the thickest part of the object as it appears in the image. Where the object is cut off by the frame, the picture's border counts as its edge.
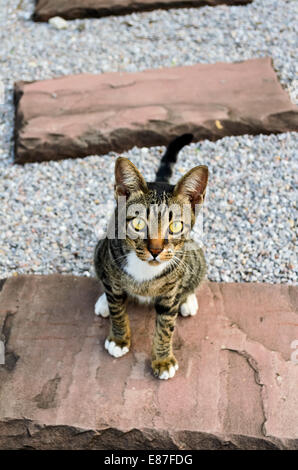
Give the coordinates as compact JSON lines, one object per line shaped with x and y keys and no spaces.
{"x":46,"y":9}
{"x":236,"y":386}
{"x":81,"y":115}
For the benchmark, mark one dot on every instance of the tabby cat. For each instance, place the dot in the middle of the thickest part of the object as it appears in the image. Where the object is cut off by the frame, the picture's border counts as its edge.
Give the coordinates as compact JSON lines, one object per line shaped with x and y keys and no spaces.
{"x":153,"y":262}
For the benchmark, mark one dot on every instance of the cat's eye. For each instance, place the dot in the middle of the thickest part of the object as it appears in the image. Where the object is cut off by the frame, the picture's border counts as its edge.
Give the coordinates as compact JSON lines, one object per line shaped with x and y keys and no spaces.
{"x":176,"y":227}
{"x":138,"y":224}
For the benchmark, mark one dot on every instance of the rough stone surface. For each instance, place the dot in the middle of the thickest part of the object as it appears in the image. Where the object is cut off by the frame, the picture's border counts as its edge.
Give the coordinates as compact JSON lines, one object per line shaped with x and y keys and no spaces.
{"x":236,"y":386}
{"x":46,"y":9}
{"x":80,"y":115}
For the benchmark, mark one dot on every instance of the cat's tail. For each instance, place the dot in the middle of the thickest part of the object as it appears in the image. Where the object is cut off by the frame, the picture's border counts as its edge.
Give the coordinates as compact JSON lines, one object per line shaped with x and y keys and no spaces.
{"x":169,"y":159}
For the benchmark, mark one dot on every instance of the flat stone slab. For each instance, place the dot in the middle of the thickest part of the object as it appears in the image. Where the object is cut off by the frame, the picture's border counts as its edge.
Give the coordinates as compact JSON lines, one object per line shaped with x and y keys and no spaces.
{"x":77,"y":116}
{"x":46,"y":9}
{"x":236,"y":386}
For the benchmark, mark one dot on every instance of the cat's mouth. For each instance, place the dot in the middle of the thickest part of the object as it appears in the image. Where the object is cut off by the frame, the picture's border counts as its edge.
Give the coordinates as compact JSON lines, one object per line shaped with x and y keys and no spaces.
{"x":154,"y":262}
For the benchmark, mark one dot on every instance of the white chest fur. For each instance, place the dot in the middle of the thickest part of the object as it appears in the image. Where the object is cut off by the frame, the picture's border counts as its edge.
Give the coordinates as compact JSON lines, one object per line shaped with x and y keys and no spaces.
{"x":140,"y":270}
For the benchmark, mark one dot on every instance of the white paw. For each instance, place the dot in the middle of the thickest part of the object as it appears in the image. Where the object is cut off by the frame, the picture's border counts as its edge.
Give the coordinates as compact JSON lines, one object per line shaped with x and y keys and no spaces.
{"x":190,"y":307}
{"x":115,"y":350}
{"x":102,"y":307}
{"x":168,"y":374}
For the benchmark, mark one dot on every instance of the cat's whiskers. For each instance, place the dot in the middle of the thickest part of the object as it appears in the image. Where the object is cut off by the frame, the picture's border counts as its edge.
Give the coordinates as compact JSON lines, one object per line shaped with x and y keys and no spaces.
{"x":185,"y":253}
{"x":186,"y":266}
{"x":120,"y":257}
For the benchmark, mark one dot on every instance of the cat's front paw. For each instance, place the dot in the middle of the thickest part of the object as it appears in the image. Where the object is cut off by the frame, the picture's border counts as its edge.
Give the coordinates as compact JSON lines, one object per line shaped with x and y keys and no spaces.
{"x":101,"y":307}
{"x":190,"y":307}
{"x":115,"y":348}
{"x":165,"y":368}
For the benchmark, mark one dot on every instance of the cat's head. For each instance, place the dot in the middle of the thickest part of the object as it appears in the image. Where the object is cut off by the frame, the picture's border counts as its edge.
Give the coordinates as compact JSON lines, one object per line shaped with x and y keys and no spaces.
{"x":157,"y":217}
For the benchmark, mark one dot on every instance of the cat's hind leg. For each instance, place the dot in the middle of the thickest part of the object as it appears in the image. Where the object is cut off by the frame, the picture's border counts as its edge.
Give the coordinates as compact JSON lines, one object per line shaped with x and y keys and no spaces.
{"x":190,"y":306}
{"x":102,"y":307}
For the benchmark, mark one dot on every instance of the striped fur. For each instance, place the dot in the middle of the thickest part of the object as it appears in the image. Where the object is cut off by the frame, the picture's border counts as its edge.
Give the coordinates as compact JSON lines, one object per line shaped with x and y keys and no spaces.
{"x":167,"y":280}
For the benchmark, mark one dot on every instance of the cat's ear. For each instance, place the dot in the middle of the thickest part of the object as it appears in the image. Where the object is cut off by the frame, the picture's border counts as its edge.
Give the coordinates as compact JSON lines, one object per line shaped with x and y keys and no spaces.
{"x":128,"y":179}
{"x":193,"y":185}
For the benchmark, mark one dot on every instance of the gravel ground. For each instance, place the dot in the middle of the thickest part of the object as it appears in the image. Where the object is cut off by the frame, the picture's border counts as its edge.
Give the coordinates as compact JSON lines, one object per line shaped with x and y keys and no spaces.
{"x":50,"y":213}
{"x":53,"y":212}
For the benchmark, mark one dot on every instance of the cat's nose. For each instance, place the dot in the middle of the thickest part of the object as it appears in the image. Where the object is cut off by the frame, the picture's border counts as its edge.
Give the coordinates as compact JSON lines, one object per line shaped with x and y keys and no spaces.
{"x":155,"y":247}
{"x":155,"y":252}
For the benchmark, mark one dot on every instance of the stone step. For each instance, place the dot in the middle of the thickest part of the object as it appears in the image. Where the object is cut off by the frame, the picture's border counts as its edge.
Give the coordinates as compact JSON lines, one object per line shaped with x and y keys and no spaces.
{"x":236,"y":386}
{"x":45,"y":9}
{"x":77,"y":116}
